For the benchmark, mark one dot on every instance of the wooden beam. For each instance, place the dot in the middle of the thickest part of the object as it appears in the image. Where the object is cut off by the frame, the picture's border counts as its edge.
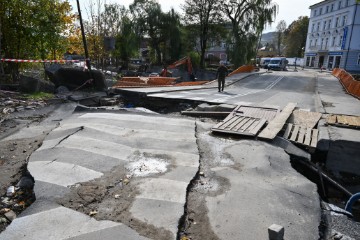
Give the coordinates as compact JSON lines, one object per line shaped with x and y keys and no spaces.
{"x":275,"y":126}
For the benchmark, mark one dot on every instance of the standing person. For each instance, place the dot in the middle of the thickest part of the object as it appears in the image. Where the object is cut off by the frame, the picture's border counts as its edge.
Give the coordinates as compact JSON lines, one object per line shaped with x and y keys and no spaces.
{"x":222,"y":72}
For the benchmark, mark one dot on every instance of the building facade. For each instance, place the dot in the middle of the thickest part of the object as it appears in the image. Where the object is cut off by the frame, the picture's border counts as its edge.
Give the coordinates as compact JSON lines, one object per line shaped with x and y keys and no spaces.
{"x":333,"y":38}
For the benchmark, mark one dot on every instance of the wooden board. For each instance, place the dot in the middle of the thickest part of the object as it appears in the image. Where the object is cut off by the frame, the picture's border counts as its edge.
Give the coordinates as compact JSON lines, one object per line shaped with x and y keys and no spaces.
{"x":275,"y":126}
{"x":240,"y":125}
{"x":344,"y":121}
{"x":305,"y":118}
{"x":256,"y":112}
{"x":302,"y":135}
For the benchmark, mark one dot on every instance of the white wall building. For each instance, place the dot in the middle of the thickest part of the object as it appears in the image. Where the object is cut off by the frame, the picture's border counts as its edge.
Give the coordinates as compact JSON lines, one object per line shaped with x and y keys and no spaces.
{"x":333,"y":38}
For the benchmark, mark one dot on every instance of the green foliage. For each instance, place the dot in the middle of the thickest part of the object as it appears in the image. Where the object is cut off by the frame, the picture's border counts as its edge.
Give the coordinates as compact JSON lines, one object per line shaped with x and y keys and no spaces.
{"x":39,"y":96}
{"x":248,"y":19}
{"x":202,"y":15}
{"x":195,"y":59}
{"x":33,"y":29}
{"x":295,"y":39}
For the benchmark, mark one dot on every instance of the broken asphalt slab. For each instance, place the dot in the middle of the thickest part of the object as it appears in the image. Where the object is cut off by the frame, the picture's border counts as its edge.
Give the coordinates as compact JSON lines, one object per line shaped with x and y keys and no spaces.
{"x":90,"y":146}
{"x":248,"y":186}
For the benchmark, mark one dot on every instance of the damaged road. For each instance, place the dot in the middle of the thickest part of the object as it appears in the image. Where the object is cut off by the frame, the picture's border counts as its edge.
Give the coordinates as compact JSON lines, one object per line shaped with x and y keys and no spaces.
{"x":146,"y":176}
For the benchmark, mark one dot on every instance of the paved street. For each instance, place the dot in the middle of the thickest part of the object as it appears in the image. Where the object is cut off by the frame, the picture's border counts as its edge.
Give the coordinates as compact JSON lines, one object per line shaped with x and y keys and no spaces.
{"x":273,"y":88}
{"x":132,"y":175}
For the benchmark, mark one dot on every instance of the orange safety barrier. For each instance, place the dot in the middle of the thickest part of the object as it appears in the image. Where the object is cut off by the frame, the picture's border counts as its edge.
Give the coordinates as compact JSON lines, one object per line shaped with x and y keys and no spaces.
{"x":243,"y":69}
{"x":144,"y":81}
{"x":347,"y":80}
{"x":191,"y":83}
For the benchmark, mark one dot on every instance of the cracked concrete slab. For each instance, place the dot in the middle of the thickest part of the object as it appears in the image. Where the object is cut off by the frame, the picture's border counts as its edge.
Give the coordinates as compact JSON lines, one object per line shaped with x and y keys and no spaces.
{"x":70,"y":162}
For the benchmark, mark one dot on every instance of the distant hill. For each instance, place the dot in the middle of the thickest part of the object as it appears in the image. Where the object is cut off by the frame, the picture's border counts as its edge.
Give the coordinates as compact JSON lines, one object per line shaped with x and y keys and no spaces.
{"x":269,"y":37}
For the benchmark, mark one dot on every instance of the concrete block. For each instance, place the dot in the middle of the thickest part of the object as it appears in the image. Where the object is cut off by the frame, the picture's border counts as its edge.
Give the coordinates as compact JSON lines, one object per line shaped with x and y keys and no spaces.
{"x":276,"y":232}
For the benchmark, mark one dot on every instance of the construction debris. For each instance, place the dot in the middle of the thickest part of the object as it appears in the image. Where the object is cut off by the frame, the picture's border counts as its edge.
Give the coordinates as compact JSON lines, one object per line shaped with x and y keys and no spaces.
{"x":344,"y":121}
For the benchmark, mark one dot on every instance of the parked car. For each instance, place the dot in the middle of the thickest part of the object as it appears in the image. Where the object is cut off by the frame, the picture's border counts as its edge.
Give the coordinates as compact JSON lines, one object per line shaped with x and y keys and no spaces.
{"x":278,"y":63}
{"x":264,"y":62}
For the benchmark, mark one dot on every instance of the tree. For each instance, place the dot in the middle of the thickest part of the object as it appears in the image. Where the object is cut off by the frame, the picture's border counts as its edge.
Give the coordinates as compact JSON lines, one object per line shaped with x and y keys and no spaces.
{"x":201,"y":15}
{"x":127,"y":41}
{"x":295,"y":37}
{"x":248,"y":19}
{"x":149,"y":19}
{"x":280,"y":29}
{"x":33,"y":29}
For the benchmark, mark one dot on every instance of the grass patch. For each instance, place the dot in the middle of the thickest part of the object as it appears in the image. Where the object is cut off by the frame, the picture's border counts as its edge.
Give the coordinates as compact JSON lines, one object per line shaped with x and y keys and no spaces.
{"x":39,"y":96}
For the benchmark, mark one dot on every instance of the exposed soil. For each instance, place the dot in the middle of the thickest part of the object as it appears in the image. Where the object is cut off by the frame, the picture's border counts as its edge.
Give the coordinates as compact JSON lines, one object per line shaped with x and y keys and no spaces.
{"x":16,"y":112}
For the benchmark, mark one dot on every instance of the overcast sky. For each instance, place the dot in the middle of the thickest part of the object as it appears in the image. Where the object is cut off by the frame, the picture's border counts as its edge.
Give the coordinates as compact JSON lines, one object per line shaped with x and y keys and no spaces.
{"x":289,"y":10}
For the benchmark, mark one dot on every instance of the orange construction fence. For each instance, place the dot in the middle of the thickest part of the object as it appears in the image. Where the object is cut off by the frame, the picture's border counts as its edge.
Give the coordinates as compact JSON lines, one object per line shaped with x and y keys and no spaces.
{"x":347,"y":80}
{"x":243,"y":69}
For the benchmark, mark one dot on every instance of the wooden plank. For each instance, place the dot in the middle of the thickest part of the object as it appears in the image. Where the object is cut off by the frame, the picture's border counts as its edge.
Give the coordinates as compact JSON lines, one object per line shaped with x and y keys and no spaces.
{"x":308,"y":137}
{"x":225,"y":124}
{"x":261,"y":123}
{"x":314,"y":138}
{"x":331,"y":119}
{"x":254,"y":124}
{"x":305,"y":118}
{"x":302,"y":132}
{"x":288,"y":131}
{"x":274,"y":127}
{"x":244,"y":121}
{"x":235,"y":123}
{"x":247,"y":124}
{"x":205,"y":113}
{"x":294,"y":133}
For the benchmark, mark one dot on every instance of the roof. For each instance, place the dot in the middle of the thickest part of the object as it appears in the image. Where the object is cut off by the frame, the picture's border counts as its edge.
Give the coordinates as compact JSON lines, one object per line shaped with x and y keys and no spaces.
{"x":319,"y":3}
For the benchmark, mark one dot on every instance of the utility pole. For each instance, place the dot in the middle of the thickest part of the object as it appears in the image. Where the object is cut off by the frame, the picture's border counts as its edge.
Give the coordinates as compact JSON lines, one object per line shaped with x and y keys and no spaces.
{"x":1,"y":63}
{"x":84,"y":41}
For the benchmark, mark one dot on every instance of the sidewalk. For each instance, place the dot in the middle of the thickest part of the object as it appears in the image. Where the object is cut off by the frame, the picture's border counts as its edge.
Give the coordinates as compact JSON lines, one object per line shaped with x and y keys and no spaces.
{"x":342,"y":144}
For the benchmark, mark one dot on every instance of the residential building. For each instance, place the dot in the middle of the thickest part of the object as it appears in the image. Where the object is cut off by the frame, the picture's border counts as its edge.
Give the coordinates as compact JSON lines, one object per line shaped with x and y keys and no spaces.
{"x":333,"y":38}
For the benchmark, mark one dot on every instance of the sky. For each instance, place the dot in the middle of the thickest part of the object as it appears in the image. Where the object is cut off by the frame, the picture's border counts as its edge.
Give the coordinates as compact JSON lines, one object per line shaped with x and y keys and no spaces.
{"x":289,"y":10}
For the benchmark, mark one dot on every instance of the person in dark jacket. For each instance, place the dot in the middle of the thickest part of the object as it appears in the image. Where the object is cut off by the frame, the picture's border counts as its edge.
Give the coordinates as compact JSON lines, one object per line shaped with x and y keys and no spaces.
{"x":222,"y":72}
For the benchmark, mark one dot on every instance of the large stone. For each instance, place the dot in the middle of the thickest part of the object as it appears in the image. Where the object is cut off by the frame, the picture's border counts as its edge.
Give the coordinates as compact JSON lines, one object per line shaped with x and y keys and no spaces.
{"x":74,"y":78}
{"x":30,"y":85}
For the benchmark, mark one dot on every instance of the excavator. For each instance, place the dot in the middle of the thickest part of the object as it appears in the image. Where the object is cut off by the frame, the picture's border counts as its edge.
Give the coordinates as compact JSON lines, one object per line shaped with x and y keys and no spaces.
{"x":182,"y":61}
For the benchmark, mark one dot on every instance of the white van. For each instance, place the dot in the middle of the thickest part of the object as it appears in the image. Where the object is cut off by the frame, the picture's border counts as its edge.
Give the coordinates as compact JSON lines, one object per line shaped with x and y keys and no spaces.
{"x":278,"y":63}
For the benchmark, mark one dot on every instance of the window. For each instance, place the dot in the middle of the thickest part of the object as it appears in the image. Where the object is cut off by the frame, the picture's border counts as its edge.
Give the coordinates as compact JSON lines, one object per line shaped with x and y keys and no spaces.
{"x":340,"y":41}
{"x":313,"y":27}
{"x":322,"y":43}
{"x":316,"y":42}
{"x":344,"y":20}
{"x":324,"y":26}
{"x":311,"y":42}
{"x":320,"y":11}
{"x":347,"y":3}
{"x":329,"y":25}
{"x":318,"y":26}
{"x":333,"y":42}
{"x":326,"y":43}
{"x":327,"y":9}
{"x":339,"y":5}
{"x":332,"y":8}
{"x":358,"y":61}
{"x":315,"y":12}
{"x":337,"y":22}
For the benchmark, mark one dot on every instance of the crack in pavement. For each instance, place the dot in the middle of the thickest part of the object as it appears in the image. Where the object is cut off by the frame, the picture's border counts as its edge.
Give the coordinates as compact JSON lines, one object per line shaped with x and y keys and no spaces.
{"x":63,"y":139}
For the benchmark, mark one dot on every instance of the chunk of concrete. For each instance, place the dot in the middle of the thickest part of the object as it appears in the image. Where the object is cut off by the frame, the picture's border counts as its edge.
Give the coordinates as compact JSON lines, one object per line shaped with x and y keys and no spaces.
{"x":30,"y":85}
{"x":276,"y":232}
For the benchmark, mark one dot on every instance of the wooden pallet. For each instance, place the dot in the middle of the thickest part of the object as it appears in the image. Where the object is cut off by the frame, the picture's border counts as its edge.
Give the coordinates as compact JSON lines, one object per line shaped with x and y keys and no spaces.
{"x":240,"y":125}
{"x":302,"y":135}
